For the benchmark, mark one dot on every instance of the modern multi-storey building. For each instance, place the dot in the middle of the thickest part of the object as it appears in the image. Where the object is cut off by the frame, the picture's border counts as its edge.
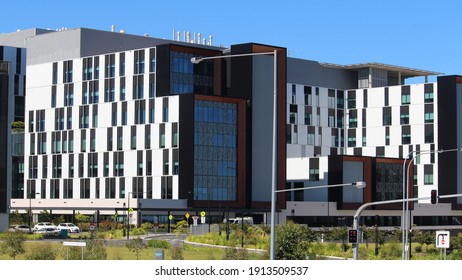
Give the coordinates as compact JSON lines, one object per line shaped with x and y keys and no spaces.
{"x":379,"y":116}
{"x":122,"y":123}
{"x":116,"y":122}
{"x":12,"y":77}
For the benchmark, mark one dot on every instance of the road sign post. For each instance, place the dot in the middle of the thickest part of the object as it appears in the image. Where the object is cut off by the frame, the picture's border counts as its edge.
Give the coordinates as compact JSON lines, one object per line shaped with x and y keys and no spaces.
{"x":442,"y":241}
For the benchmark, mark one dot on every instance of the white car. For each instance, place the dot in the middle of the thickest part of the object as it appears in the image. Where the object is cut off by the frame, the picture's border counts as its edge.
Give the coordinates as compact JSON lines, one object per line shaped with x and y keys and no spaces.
{"x":48,"y":231}
{"x":69,"y":226}
{"x":41,"y":225}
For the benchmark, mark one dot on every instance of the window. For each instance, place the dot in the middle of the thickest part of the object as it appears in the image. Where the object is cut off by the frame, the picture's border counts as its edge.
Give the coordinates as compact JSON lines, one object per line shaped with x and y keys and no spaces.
{"x":122,"y":89}
{"x":162,"y":136}
{"x":139,"y":62}
{"x":405,"y":134}
{"x":138,"y":87}
{"x":351,"y":99}
{"x":308,"y":115}
{"x":109,"y":65}
{"x":109,"y":90}
{"x":139,"y":163}
{"x":311,"y":136}
{"x":364,"y":141}
{"x":133,"y":138}
{"x":314,"y":169}
{"x":124,"y":113}
{"x":67,"y":71}
{"x":353,"y":118}
{"x":152,"y":60}
{"x":386,"y":116}
{"x":331,"y":98}
{"x":428,"y":93}
{"x":293,"y":114}
{"x":429,"y":133}
{"x":122,"y":64}
{"x":351,"y":137}
{"x":140,"y":111}
{"x":429,"y":118}
{"x":404,"y":115}
{"x":175,"y":135}
{"x":307,"y":95}
{"x":405,"y":95}
{"x":428,"y":174}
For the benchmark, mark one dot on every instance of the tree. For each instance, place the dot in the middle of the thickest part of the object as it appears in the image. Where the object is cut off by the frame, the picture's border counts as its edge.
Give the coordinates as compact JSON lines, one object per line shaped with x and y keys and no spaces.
{"x":15,"y":218}
{"x":427,"y":238}
{"x":340,"y":233}
{"x":13,"y":244}
{"x":44,"y":216}
{"x":136,"y":245}
{"x":181,"y":227}
{"x":292,"y":241}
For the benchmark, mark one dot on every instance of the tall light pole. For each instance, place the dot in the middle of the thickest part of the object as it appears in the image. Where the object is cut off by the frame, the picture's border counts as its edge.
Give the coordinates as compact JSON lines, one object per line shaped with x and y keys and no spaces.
{"x":359,"y":185}
{"x":30,"y":207}
{"x":196,"y":60}
{"x":406,"y":218}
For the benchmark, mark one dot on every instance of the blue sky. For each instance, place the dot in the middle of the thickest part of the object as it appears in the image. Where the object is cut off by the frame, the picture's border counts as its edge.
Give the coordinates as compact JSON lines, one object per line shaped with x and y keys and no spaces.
{"x":417,"y":34}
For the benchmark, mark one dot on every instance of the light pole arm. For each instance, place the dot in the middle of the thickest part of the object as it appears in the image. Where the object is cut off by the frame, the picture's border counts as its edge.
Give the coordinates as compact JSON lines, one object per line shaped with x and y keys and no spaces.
{"x":359,"y":185}
{"x":196,"y":60}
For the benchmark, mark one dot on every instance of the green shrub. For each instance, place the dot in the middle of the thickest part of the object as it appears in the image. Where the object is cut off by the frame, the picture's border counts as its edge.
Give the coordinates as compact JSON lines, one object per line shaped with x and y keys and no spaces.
{"x":177,"y":253}
{"x":42,"y":252}
{"x":159,"y":243}
{"x":138,"y":231}
{"x":418,"y":249}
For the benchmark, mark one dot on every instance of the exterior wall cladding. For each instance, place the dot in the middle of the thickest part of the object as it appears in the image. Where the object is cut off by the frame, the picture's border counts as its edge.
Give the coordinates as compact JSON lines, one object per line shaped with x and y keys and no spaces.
{"x":142,"y":125}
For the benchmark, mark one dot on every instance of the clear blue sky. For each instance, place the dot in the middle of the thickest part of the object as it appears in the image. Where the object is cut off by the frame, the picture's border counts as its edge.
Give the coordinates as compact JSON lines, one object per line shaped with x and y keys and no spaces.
{"x":418,"y":34}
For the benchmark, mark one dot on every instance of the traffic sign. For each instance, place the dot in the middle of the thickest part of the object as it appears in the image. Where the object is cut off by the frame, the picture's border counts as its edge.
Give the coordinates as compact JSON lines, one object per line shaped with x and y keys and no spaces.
{"x":203,"y":214}
{"x":202,"y":220}
{"x":195,"y":220}
{"x":442,"y":239}
{"x":170,"y":217}
{"x":187,"y":215}
{"x":130,"y":210}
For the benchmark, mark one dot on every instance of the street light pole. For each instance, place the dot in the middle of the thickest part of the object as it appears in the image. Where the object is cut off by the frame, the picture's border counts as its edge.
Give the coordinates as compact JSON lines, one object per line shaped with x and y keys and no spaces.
{"x":30,"y":208}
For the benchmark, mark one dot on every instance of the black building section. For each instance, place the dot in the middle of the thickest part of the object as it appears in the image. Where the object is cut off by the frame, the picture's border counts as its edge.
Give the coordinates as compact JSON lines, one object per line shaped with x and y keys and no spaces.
{"x":447,"y":136}
{"x":4,"y":130}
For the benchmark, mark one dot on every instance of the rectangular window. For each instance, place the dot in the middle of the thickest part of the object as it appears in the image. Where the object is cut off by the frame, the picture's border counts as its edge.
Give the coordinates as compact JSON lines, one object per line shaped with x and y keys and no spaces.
{"x":165,"y":169}
{"x":174,"y":135}
{"x":353,"y":119}
{"x":124,"y":113}
{"x":138,"y":87}
{"x":106,"y":164}
{"x":165,"y":110}
{"x":109,"y":90}
{"x":405,"y":95}
{"x":120,"y":136}
{"x":428,"y":93}
{"x":139,"y":163}
{"x":429,"y":133}
{"x":138,"y":62}
{"x":429,"y":118}
{"x":121,"y":64}
{"x":133,"y":138}
{"x":147,"y":137}
{"x":293,"y":114}
{"x":109,"y":65}
{"x":121,"y":187}
{"x":148,"y":162}
{"x":152,"y":60}
{"x":364,"y":138}
{"x":71,"y":166}
{"x":162,"y":136}
{"x":406,"y":134}
{"x":351,"y":99}
{"x":151,"y":111}
{"x":386,"y":116}
{"x":122,"y":89}
{"x":308,"y":115}
{"x":404,"y":115}
{"x":67,"y":71}
{"x":307,"y":94}
{"x":152,"y":85}
{"x":351,"y":137}
{"x":428,"y":174}
{"x":314,"y":169}
{"x":114,"y":114}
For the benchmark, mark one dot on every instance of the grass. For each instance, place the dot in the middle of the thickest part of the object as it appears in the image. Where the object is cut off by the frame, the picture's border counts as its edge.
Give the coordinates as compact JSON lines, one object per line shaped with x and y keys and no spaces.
{"x":120,"y":252}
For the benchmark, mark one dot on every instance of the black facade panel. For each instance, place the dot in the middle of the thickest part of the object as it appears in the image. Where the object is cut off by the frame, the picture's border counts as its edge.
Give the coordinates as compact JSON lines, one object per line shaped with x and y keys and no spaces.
{"x":186,"y":148}
{"x":163,"y":70}
{"x":447,"y":135}
{"x":4,"y":127}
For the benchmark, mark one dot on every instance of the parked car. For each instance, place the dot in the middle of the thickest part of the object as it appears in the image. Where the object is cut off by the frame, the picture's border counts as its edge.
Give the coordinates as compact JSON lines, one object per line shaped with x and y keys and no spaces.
{"x":69,"y":226}
{"x":21,"y":228}
{"x":48,"y":231}
{"x":41,"y":225}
